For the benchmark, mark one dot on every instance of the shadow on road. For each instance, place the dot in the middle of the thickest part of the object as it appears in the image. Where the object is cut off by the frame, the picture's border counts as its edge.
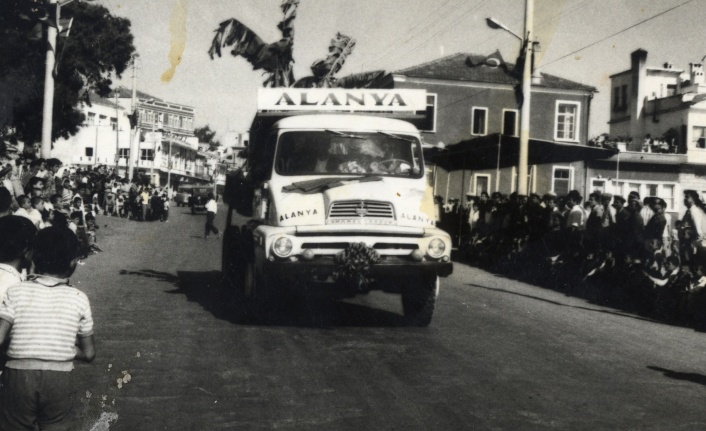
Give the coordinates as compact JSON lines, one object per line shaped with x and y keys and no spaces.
{"x":295,"y":309}
{"x":678,"y":375}
{"x":615,"y":313}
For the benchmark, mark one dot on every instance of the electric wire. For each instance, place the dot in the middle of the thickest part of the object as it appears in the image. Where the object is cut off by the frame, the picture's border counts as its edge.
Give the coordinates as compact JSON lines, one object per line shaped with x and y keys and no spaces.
{"x":439,"y":15}
{"x":460,"y":17}
{"x":617,"y":33}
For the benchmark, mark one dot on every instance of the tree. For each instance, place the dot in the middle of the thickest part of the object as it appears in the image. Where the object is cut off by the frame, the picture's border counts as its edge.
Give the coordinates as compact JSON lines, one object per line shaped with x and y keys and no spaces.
{"x":276,"y":58}
{"x":324,"y":71}
{"x":206,"y":135}
{"x":100,"y":47}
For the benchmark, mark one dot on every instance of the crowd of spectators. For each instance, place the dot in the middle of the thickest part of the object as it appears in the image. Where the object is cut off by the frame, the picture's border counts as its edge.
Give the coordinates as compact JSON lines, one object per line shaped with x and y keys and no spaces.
{"x":622,"y":251}
{"x":49,"y":194}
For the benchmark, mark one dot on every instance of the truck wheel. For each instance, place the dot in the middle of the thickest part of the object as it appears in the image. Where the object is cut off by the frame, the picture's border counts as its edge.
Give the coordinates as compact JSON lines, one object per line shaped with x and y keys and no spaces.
{"x":257,"y":293}
{"x":231,"y":256}
{"x":418,"y":300}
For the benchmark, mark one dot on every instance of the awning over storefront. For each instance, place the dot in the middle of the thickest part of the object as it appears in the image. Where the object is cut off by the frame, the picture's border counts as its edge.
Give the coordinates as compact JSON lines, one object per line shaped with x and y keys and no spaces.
{"x":500,"y":151}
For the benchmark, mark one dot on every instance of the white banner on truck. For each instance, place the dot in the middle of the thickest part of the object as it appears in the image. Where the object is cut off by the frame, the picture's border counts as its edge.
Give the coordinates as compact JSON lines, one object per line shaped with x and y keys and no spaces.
{"x":340,"y":99}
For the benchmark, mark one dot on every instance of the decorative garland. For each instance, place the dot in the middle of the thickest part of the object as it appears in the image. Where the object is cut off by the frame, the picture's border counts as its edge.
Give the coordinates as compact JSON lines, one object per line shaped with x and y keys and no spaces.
{"x":353,"y":265}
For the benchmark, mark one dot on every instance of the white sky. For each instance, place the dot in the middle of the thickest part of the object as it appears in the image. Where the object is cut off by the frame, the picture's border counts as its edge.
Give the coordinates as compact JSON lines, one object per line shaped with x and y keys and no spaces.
{"x":394,"y":34}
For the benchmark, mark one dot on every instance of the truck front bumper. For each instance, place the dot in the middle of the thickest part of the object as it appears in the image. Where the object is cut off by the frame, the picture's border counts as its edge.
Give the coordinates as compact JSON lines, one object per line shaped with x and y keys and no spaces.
{"x":324,"y":266}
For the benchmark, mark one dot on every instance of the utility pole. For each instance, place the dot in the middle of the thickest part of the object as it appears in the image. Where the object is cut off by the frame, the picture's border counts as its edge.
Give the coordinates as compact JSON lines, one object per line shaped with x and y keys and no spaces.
{"x":526,"y":52}
{"x":522,"y":168}
{"x":48,"y":112}
{"x":117,"y":134}
{"x":135,"y":133}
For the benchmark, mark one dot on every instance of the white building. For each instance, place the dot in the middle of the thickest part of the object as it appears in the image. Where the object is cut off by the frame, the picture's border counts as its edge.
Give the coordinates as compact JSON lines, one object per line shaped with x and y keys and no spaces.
{"x":105,"y":132}
{"x":659,"y":115}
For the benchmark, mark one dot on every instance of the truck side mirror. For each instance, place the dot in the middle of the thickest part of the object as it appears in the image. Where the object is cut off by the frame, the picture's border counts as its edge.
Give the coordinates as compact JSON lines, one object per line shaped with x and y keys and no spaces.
{"x":238,"y":193}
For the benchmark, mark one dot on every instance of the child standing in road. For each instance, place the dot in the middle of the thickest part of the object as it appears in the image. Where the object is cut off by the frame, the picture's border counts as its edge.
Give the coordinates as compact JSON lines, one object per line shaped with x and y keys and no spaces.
{"x":49,"y":324}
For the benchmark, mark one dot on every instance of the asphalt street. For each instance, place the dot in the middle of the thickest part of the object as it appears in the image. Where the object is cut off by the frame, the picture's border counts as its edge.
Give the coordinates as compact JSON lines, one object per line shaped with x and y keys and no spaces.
{"x":499,"y":354}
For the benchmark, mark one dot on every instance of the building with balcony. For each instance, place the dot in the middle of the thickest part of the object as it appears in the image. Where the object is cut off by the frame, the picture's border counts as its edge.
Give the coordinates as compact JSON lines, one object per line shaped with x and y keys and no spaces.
{"x":658,"y":121}
{"x":167,"y":149}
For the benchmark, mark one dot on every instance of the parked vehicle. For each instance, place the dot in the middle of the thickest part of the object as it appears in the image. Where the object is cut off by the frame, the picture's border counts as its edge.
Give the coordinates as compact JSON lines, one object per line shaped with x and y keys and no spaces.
{"x":193,"y":196}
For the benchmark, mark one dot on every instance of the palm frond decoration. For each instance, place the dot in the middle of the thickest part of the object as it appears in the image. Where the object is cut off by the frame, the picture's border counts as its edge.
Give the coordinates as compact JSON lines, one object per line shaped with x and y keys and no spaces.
{"x":359,"y":80}
{"x":274,"y":58}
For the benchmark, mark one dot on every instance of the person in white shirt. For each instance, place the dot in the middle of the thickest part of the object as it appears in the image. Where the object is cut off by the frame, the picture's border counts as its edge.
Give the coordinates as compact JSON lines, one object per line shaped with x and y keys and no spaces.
{"x":211,"y":209}
{"x":24,"y":203}
{"x":35,"y":213}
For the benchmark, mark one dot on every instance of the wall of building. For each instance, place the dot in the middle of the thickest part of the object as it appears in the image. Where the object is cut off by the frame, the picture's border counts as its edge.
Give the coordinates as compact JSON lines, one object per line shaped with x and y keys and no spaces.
{"x":98,"y":139}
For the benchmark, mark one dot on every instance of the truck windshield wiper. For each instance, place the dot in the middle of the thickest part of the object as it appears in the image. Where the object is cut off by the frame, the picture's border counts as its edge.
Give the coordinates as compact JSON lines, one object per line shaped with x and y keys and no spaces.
{"x":347,"y":135}
{"x":320,"y":184}
{"x":393,"y":136}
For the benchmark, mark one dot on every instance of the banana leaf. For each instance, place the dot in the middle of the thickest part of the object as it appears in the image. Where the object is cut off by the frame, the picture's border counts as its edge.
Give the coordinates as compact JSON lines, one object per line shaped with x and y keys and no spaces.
{"x":359,"y":80}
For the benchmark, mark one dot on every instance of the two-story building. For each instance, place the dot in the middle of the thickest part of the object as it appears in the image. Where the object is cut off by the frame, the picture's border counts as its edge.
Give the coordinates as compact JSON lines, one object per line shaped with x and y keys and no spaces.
{"x":104,"y":134}
{"x":658,"y":119}
{"x":167,"y":149}
{"x":472,"y":97}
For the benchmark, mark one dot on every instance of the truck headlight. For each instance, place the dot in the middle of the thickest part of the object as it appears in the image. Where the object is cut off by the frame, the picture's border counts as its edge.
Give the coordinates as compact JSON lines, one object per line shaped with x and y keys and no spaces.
{"x":282,"y":247}
{"x":436,"y":248}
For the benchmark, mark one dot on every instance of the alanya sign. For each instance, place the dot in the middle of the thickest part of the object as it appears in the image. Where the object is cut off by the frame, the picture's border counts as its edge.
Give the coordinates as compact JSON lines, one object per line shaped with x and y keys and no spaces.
{"x":339,"y":99}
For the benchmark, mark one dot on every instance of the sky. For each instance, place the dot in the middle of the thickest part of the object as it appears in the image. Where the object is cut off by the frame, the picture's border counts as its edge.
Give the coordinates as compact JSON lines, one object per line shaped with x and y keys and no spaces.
{"x":582,"y":40}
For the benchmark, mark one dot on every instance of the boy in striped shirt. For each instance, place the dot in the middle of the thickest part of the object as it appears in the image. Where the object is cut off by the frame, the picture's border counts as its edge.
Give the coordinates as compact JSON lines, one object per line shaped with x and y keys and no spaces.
{"x":49,"y":324}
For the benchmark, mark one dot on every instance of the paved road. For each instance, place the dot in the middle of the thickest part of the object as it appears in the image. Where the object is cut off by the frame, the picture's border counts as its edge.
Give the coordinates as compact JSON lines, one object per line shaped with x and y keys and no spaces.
{"x":499,"y":355}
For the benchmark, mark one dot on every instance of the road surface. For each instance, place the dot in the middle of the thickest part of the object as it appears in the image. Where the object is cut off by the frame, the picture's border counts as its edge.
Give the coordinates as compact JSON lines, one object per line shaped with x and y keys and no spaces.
{"x":499,"y":354}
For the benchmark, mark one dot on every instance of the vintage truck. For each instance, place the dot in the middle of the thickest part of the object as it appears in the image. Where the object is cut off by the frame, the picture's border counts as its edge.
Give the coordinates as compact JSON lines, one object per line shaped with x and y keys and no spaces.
{"x":335,"y":188}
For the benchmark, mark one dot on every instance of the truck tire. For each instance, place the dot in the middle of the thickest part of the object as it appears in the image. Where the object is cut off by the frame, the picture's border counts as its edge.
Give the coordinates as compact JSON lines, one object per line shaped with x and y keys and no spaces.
{"x":257,"y":293}
{"x":418,"y":300}
{"x":231,"y":259}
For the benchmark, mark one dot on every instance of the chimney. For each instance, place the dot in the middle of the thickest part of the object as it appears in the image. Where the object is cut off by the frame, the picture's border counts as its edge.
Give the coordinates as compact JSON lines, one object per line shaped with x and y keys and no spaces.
{"x":537,"y":78}
{"x":637,"y":95}
{"x":696,"y":73}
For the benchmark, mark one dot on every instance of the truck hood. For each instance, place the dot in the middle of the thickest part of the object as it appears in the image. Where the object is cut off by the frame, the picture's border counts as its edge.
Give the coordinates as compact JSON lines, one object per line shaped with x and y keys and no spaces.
{"x":372,"y":200}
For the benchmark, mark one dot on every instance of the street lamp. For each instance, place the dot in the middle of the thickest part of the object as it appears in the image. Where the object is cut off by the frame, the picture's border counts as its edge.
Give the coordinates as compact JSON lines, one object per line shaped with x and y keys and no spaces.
{"x":497,"y":25}
{"x":48,"y":113}
{"x":522,"y":168}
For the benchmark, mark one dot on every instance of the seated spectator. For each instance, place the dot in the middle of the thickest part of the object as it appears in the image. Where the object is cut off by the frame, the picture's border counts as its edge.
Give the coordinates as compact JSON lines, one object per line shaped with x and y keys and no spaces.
{"x":671,"y":300}
{"x":75,"y":219}
{"x":25,"y":204}
{"x":91,"y":228}
{"x":35,"y":187}
{"x":35,"y":213}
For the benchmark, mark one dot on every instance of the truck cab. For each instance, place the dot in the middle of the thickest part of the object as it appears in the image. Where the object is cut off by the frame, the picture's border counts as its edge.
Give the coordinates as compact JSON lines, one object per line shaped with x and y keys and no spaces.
{"x":337,"y":198}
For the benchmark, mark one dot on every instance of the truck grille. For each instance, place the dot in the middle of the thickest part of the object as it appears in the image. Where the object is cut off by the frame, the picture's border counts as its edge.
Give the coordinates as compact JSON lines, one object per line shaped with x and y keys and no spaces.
{"x":361,"y":209}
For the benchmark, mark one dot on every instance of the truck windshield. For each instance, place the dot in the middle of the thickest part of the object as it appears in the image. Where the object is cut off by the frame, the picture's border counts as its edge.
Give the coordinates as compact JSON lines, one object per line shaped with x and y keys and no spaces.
{"x":331,"y":152}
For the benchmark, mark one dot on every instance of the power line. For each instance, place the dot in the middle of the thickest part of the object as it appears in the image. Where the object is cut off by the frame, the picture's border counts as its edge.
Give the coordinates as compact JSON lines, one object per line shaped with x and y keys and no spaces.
{"x":443,"y":29}
{"x":618,"y":32}
{"x":545,"y":21}
{"x":419,"y":31}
